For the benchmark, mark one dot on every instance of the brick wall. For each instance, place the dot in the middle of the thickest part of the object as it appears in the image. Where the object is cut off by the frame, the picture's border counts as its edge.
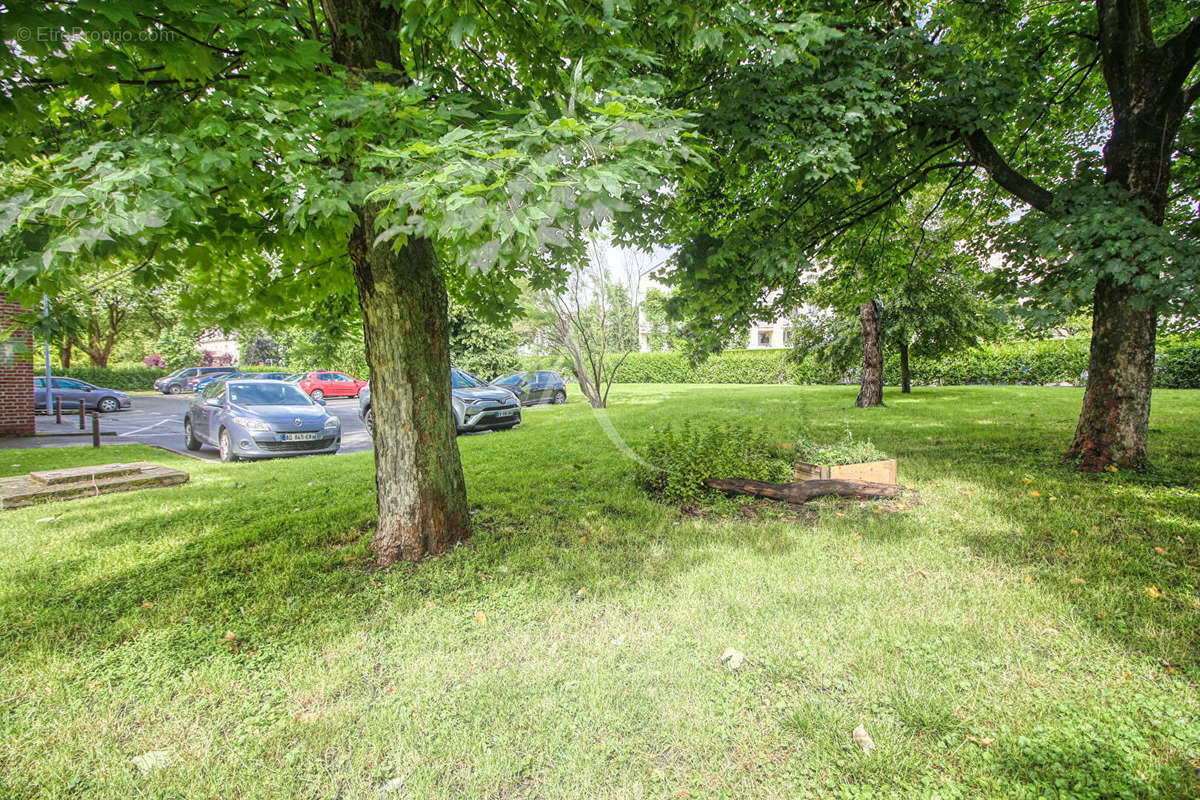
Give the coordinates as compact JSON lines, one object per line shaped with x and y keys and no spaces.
{"x":16,"y":374}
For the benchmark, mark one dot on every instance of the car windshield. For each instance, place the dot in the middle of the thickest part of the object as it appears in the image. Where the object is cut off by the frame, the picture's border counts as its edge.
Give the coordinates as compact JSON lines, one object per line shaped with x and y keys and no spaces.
{"x":461,"y":380}
{"x":509,"y":380}
{"x":267,"y":394}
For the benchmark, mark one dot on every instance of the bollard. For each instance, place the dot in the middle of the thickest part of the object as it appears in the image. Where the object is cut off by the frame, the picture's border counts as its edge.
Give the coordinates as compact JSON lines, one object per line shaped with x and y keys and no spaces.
{"x":95,"y":429}
{"x":58,"y":411}
{"x":81,"y":414}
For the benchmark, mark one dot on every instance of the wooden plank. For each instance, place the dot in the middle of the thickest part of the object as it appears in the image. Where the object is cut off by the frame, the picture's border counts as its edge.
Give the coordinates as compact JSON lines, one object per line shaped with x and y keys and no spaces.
{"x":803,"y":491}
{"x":23,"y":491}
{"x":870,"y":471}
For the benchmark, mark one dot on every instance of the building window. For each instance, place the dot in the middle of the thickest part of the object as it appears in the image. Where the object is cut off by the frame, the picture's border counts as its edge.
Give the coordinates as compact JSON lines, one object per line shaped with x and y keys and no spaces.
{"x":764,"y":338}
{"x":787,"y":335}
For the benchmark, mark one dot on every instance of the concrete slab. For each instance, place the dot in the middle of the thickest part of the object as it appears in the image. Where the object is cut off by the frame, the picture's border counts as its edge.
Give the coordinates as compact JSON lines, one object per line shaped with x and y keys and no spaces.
{"x":70,"y":484}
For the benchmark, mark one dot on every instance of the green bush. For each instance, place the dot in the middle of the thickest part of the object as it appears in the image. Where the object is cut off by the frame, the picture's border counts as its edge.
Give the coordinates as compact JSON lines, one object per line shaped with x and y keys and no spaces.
{"x":847,"y":450}
{"x":1031,"y":362}
{"x":678,"y":460}
{"x":126,"y":378}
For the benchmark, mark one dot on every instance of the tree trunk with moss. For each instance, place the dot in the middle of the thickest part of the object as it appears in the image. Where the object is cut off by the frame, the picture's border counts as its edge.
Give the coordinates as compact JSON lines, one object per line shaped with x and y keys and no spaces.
{"x":422,"y":497}
{"x":870,"y":392}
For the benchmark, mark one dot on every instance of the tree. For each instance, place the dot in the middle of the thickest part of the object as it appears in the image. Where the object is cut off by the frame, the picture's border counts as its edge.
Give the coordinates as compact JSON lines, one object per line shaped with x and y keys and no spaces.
{"x":289,"y":155}
{"x":1070,"y":125}
{"x":178,"y":347}
{"x":663,"y":331}
{"x":591,"y":322}
{"x":480,"y":347}
{"x":262,"y":349}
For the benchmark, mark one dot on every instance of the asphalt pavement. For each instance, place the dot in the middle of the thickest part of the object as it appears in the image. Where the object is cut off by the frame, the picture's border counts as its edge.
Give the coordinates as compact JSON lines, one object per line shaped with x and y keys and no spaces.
{"x":158,"y":420}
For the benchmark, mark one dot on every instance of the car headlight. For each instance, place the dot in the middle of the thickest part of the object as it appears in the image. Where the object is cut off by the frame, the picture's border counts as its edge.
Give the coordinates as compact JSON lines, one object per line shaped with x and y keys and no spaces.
{"x":252,"y":424}
{"x":332,"y":422}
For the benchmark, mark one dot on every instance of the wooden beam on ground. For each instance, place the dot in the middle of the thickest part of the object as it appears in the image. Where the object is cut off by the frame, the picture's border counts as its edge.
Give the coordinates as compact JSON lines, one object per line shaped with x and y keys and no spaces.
{"x":804,"y":491}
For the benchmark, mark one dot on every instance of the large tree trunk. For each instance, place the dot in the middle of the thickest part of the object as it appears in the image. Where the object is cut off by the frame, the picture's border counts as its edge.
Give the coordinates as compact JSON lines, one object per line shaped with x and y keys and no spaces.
{"x":422,"y":497}
{"x":1146,"y":85}
{"x":870,"y":393}
{"x":905,"y":374}
{"x":64,"y":354}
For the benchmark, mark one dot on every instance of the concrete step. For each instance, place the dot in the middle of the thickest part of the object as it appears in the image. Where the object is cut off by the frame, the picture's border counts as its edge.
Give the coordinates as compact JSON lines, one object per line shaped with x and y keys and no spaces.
{"x":70,"y":484}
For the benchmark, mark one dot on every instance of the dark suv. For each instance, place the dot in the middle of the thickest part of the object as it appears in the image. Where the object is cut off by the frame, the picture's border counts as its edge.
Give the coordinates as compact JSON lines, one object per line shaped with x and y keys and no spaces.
{"x":542,"y":386}
{"x":186,"y":378}
{"x":476,"y":405}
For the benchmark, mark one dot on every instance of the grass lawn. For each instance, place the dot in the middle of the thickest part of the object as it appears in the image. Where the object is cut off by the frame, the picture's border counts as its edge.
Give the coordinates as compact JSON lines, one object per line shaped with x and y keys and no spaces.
{"x":1019,"y":631}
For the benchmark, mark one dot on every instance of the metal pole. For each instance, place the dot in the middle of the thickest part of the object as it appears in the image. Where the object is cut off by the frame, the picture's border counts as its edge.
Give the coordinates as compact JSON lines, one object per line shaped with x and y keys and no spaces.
{"x":49,"y":384}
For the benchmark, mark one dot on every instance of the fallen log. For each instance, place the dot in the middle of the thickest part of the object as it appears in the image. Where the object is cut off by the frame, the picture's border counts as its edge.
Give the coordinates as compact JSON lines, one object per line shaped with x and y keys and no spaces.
{"x":803,"y":491}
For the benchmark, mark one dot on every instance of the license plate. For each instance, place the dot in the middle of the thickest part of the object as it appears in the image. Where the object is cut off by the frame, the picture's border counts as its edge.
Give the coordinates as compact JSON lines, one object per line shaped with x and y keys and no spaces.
{"x":507,"y":413}
{"x":297,"y":437}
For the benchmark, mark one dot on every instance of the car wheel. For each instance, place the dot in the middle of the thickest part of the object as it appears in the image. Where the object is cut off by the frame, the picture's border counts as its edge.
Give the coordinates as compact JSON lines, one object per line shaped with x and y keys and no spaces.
{"x":560,"y":397}
{"x":174,"y":388}
{"x":369,"y":422}
{"x":226,"y":447}
{"x":317,"y":394}
{"x":189,"y":436}
{"x":108,"y":405}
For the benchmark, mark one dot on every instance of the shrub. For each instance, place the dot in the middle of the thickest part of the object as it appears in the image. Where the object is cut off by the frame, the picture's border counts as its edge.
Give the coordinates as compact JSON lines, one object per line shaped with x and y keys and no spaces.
{"x":127,"y":378}
{"x":847,"y":450}
{"x":678,"y":460}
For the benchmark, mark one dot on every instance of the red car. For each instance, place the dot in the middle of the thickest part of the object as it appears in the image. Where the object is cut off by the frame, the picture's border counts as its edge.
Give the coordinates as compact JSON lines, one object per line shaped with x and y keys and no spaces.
{"x":320,"y":385}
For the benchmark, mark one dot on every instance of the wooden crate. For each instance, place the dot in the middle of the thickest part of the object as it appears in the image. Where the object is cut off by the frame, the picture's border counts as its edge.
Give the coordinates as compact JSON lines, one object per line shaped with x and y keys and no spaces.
{"x":871,"y":471}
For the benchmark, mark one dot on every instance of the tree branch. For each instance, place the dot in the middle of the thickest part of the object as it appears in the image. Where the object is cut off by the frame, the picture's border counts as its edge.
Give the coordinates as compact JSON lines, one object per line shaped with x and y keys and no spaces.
{"x":1181,"y":53}
{"x":988,"y":157}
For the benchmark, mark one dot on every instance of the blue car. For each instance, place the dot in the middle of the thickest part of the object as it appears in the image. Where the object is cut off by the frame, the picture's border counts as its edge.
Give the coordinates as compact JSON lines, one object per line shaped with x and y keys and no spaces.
{"x":249,"y":419}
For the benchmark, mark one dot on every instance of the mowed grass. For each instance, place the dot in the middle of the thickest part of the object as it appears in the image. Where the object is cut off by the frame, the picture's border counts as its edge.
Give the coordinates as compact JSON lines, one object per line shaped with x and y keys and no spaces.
{"x":994,"y":642}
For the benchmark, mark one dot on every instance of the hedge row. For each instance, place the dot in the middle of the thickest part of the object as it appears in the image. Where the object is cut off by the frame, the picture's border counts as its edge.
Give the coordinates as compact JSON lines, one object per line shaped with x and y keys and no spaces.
{"x":1038,"y":363}
{"x":1052,"y":361}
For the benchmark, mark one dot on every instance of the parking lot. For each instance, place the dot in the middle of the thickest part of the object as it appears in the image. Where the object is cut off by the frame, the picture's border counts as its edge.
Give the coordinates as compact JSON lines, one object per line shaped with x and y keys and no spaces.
{"x":158,"y":420}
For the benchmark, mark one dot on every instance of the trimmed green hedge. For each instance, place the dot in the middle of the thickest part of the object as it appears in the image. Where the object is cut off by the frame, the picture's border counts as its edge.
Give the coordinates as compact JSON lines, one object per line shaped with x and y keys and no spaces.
{"x":1051,"y":361}
{"x":1035,"y":362}
{"x":124,"y":378}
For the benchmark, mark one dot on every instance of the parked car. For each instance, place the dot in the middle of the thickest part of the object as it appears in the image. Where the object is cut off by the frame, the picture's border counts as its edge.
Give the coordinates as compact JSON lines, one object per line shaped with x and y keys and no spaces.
{"x":248,"y":419}
{"x":266,"y":376}
{"x":177,"y":381}
{"x":476,"y":405}
{"x":71,"y":391}
{"x":321,"y":384}
{"x":541,"y":386}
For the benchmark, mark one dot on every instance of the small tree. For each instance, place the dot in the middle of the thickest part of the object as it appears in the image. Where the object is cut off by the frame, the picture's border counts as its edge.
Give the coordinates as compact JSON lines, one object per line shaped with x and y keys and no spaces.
{"x":177,"y":347}
{"x":262,"y":349}
{"x":592,"y":323}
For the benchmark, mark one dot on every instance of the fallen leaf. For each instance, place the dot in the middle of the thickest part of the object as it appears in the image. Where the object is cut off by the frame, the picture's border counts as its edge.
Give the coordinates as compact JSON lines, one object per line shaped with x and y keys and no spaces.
{"x":45,"y":519}
{"x":921,"y":572}
{"x":480,"y":617}
{"x":858,"y":558}
{"x":229,"y":636}
{"x":152,"y":759}
{"x":581,"y":593}
{"x":1026,"y":480}
{"x":306,"y":717}
{"x":147,"y":604}
{"x":1035,"y":493}
{"x":583,"y":540}
{"x":984,"y":741}
{"x":863,"y":739}
{"x":732,"y":658}
{"x":1077,"y":581}
{"x":1029,"y":579}
{"x":1153,"y":591}
{"x":1162,"y":551}
{"x":1172,"y":670}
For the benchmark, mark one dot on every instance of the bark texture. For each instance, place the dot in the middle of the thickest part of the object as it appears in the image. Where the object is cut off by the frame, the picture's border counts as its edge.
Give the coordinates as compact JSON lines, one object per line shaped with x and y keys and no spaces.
{"x":870,"y":393}
{"x":422,"y":497}
{"x":1113,"y":424}
{"x":803,"y":491}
